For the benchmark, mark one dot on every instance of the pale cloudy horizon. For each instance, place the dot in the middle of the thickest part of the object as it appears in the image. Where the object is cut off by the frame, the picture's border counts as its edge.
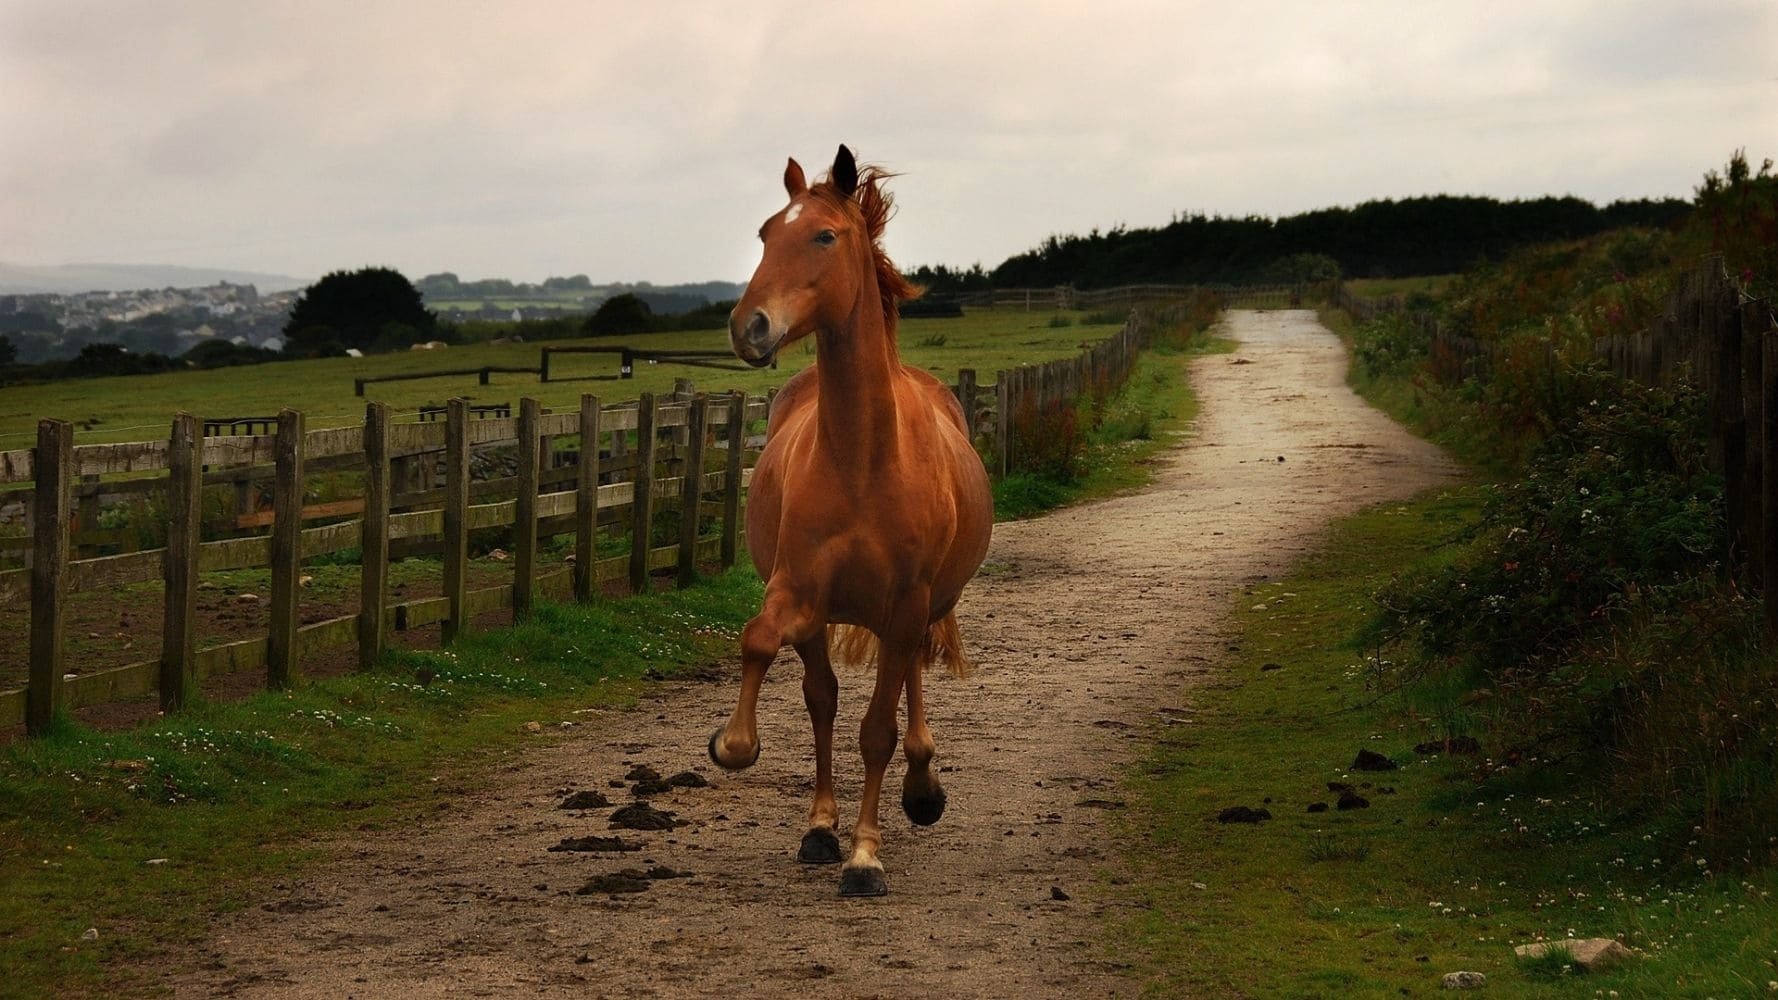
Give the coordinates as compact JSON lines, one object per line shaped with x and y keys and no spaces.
{"x":627,"y":143}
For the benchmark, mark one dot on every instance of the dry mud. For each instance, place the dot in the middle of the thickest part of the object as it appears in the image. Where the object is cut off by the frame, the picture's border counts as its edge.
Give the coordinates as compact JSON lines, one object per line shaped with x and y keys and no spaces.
{"x":1088,"y":627}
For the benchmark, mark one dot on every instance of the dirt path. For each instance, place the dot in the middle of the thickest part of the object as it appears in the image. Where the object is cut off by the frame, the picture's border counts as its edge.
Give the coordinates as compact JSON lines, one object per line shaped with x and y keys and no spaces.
{"x":1088,"y":625}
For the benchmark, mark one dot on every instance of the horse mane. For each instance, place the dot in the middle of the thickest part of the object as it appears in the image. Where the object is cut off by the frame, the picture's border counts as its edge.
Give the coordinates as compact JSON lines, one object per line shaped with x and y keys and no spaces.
{"x":875,"y":205}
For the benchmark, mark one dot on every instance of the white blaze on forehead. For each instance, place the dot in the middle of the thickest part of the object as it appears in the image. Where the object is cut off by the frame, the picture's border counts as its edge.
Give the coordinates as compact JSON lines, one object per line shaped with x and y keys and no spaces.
{"x":795,"y":209}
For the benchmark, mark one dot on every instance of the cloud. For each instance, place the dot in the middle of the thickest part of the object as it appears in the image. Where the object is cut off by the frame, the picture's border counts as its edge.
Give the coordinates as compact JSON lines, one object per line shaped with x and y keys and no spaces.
{"x":533,"y":138}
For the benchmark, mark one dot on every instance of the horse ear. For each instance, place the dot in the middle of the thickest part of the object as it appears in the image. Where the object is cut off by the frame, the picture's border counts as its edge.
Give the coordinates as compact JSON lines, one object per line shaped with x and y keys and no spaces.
{"x":794,"y":184}
{"x":845,"y":172}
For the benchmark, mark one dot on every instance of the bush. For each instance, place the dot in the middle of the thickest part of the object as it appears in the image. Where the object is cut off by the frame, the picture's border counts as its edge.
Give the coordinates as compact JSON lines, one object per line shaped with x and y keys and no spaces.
{"x":1616,"y":518}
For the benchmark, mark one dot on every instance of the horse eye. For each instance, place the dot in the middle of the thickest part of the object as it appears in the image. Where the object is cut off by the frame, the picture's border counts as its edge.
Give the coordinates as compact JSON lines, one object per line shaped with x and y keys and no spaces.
{"x":826,"y":237}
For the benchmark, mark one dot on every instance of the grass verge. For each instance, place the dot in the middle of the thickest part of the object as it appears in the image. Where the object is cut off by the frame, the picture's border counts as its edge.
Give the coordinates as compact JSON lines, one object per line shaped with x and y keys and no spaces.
{"x":1152,"y":408}
{"x":1433,"y":876}
{"x":133,"y":833}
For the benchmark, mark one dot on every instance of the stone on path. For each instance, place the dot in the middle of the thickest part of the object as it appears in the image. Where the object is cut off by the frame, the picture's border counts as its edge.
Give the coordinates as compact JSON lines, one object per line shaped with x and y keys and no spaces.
{"x":1464,"y":981}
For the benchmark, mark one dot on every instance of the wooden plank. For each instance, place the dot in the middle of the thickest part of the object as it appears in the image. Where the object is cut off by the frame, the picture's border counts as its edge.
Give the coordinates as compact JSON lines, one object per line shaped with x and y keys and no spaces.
{"x":413,"y":439}
{"x":179,"y":599}
{"x":128,"y":681}
{"x":586,"y":512}
{"x":232,"y":658}
{"x":524,"y":524}
{"x":15,"y":466}
{"x":373,"y":537}
{"x":456,"y":509}
{"x":495,"y":430}
{"x":51,"y":511}
{"x":558,"y":424}
{"x":242,"y":449}
{"x":112,"y":571}
{"x":329,"y":538}
{"x":416,"y":524}
{"x":14,"y":583}
{"x":642,"y":503}
{"x":334,"y":508}
{"x":736,"y":436}
{"x":333,"y":441}
{"x":489,"y":515}
{"x":127,"y":456}
{"x":287,"y":497}
{"x":235,"y":553}
{"x":693,"y":489}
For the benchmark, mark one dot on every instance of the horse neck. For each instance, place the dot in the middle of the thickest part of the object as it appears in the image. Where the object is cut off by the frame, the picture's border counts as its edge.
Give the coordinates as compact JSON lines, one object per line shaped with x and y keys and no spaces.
{"x":856,"y":366}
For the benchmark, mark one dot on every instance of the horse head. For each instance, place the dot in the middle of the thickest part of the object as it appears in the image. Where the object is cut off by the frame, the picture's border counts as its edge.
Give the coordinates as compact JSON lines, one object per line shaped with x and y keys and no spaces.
{"x":821,"y":255}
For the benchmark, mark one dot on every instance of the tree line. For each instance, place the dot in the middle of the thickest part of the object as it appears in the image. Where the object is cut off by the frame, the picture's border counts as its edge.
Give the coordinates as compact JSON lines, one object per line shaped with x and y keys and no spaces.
{"x":1440,"y":234}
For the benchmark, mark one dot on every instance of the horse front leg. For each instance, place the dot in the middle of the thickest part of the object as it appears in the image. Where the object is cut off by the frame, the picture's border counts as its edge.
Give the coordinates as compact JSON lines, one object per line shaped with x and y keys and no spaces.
{"x":821,"y":693}
{"x":900,"y":645}
{"x":736,"y":744}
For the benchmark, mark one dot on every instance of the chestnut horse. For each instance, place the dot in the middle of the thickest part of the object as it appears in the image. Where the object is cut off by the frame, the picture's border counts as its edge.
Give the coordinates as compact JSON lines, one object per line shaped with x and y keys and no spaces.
{"x":869,"y":507}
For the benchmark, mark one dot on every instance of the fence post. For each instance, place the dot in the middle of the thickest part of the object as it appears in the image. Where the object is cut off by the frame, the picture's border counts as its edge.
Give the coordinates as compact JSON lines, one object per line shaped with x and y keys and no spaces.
{"x":543,"y":365}
{"x":524,"y":537}
{"x":287,"y":526}
{"x":691,"y":491}
{"x":966,"y":399}
{"x":586,"y":500}
{"x":456,"y":515}
{"x":52,"y":508}
{"x":642,"y":498}
{"x":1002,"y":418}
{"x":179,"y":561}
{"x":373,"y":542}
{"x":1769,"y":487}
{"x":731,"y":483}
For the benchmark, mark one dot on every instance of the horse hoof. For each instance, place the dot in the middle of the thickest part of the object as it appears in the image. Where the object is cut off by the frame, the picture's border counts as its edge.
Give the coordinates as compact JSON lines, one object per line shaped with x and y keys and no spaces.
{"x":820,"y":847}
{"x":924,"y":810}
{"x":717,"y":735}
{"x":863,"y":882}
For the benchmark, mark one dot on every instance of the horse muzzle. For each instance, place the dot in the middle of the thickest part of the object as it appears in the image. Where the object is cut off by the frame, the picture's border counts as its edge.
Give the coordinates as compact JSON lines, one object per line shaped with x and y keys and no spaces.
{"x":755,"y":341}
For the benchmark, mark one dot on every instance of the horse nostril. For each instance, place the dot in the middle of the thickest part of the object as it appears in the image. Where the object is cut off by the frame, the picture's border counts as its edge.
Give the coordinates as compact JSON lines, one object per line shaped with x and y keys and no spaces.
{"x":757,"y":326}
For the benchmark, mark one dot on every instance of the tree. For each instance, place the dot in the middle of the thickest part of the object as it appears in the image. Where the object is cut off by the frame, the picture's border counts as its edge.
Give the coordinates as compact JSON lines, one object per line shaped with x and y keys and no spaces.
{"x":8,"y":353}
{"x":620,"y":314}
{"x":353,"y":308}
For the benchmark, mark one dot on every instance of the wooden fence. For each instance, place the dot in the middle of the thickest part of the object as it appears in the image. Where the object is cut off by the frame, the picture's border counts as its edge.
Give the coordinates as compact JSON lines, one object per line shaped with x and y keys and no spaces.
{"x":1708,"y":333}
{"x":601,"y":466}
{"x":1129,"y":296}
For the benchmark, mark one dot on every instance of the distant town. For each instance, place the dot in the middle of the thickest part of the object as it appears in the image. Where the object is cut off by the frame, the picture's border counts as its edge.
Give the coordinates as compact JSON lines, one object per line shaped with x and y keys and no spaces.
{"x":56,"y":326}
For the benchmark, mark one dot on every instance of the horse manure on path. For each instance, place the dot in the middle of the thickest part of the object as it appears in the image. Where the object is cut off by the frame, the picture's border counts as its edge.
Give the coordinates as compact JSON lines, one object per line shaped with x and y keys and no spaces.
{"x":628,"y":880}
{"x":585,"y":800}
{"x":642,"y":816}
{"x":597,"y":843}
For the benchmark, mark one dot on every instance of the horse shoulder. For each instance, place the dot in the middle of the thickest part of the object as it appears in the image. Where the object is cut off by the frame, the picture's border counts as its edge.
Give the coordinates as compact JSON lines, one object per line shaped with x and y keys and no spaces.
{"x":937,"y":394}
{"x":798,"y":392}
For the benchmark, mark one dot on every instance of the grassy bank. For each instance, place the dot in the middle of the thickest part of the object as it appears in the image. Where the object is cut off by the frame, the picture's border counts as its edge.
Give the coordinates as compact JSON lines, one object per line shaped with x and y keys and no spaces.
{"x":1118,"y":438}
{"x":1438,"y":873}
{"x":139,"y":834}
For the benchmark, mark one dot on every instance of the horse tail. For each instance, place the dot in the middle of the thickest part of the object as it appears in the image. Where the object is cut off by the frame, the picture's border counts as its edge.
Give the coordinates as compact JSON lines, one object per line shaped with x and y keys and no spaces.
{"x":858,"y":646}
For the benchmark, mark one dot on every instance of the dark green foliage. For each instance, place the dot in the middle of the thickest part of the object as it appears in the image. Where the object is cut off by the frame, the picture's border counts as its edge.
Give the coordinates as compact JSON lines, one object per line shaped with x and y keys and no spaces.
{"x":371,"y":309}
{"x":1434,"y":235}
{"x":619,"y":314}
{"x":226,"y":354}
{"x":112,"y":359}
{"x":8,"y":353}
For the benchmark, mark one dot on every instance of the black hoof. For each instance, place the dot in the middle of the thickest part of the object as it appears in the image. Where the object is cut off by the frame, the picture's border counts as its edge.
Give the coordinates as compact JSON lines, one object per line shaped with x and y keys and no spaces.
{"x":719,"y":762}
{"x":924,"y":810}
{"x":820,"y":847}
{"x":863,"y":882}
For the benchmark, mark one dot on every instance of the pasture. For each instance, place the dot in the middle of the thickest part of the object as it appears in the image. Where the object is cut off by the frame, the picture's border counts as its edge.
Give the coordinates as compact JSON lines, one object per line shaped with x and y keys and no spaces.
{"x":138,"y":407}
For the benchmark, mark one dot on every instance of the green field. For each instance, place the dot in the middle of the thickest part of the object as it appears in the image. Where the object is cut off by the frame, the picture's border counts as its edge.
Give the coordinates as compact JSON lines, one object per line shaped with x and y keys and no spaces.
{"x":141,"y":407}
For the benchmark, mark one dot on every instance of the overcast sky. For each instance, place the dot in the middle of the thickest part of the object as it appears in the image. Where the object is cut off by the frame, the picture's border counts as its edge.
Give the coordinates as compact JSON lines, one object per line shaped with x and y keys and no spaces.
{"x":645,"y":141}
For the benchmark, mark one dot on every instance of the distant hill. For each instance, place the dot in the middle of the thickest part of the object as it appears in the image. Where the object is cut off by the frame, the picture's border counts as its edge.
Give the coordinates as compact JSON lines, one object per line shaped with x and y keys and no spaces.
{"x":22,"y":279}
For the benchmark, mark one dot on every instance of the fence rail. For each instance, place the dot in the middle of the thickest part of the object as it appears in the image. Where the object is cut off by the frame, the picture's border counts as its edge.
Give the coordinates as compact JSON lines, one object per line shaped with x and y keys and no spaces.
{"x":573,"y":473}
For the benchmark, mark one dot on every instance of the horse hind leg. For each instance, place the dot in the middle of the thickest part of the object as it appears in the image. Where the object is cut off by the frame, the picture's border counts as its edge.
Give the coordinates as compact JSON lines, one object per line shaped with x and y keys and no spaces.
{"x":863,"y":872}
{"x":821,"y":692}
{"x":922,"y":797}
